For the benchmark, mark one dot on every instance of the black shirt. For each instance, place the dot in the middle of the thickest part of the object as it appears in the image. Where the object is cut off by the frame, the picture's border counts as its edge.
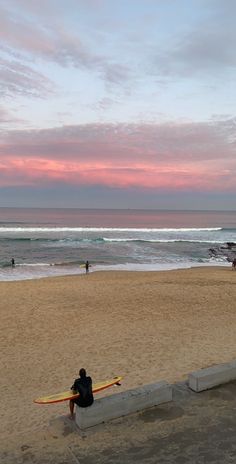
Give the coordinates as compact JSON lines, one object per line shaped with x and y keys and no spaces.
{"x":83,"y":386}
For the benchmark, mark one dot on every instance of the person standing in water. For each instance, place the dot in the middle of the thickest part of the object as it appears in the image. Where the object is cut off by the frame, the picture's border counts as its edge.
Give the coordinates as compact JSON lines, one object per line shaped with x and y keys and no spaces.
{"x":12,"y":262}
{"x":87,"y":267}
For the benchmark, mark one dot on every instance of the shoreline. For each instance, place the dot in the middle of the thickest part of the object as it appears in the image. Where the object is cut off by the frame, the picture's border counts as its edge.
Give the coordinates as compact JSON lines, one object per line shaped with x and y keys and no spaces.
{"x":145,"y":326}
{"x":146,"y":268}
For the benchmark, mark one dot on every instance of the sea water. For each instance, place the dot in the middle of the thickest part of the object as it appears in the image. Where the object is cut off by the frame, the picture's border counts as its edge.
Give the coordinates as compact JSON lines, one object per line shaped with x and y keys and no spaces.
{"x":51,"y":242}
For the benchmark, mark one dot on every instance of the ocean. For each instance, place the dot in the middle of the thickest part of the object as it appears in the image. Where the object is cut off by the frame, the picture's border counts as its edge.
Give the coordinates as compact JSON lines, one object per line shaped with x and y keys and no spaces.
{"x":52,"y":242}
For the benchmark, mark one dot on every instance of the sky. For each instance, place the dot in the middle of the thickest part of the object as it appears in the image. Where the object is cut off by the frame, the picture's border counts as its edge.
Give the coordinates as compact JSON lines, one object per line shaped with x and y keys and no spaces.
{"x":118,"y":104}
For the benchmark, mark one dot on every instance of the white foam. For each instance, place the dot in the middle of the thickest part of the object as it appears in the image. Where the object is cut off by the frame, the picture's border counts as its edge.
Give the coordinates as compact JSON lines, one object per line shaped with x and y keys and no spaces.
{"x":160,"y":240}
{"x":105,"y":229}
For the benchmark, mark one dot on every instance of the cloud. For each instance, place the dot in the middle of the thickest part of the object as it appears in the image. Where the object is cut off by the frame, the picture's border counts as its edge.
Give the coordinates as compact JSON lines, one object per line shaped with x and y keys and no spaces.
{"x":127,"y":142}
{"x":20,"y":79}
{"x":52,"y":41}
{"x":174,"y":156}
{"x":8,"y":117}
{"x":208,"y":48}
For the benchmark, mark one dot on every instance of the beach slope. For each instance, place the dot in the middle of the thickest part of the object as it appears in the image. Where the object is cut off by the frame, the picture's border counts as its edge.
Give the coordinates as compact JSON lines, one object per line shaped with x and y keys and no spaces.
{"x":143,"y":326}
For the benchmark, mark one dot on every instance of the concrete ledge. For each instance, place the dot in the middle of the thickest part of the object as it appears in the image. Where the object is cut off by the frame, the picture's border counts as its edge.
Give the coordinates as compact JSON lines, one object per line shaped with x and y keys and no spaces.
{"x":212,"y":376}
{"x":122,"y":404}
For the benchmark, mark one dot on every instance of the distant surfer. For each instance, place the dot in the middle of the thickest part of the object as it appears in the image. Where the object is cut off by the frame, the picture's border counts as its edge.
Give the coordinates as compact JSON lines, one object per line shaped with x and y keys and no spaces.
{"x":12,"y":262}
{"x":87,"y":267}
{"x":83,"y":386}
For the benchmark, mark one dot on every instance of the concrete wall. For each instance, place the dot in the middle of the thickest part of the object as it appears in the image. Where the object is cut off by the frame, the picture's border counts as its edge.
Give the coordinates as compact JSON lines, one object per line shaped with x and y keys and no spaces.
{"x":122,"y":404}
{"x":212,"y":376}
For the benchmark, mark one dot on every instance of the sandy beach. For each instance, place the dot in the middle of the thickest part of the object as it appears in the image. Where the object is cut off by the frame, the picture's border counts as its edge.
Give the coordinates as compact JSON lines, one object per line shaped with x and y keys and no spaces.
{"x":143,"y":326}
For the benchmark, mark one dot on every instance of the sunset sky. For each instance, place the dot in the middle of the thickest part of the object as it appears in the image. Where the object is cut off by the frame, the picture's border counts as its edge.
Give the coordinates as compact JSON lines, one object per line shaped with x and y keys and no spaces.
{"x":118,"y":104}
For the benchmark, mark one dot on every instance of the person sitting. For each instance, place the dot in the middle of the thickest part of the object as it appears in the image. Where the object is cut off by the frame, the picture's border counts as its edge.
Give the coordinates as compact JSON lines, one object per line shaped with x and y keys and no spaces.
{"x":83,"y":386}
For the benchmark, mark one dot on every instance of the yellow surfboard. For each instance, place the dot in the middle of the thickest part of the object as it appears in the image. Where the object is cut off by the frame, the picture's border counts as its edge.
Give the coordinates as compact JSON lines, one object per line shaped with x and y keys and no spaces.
{"x":69,"y":395}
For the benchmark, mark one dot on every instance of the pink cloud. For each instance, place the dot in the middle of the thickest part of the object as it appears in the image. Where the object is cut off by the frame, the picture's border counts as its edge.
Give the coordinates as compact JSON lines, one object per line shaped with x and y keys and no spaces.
{"x":188,"y":156}
{"x":149,"y":176}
